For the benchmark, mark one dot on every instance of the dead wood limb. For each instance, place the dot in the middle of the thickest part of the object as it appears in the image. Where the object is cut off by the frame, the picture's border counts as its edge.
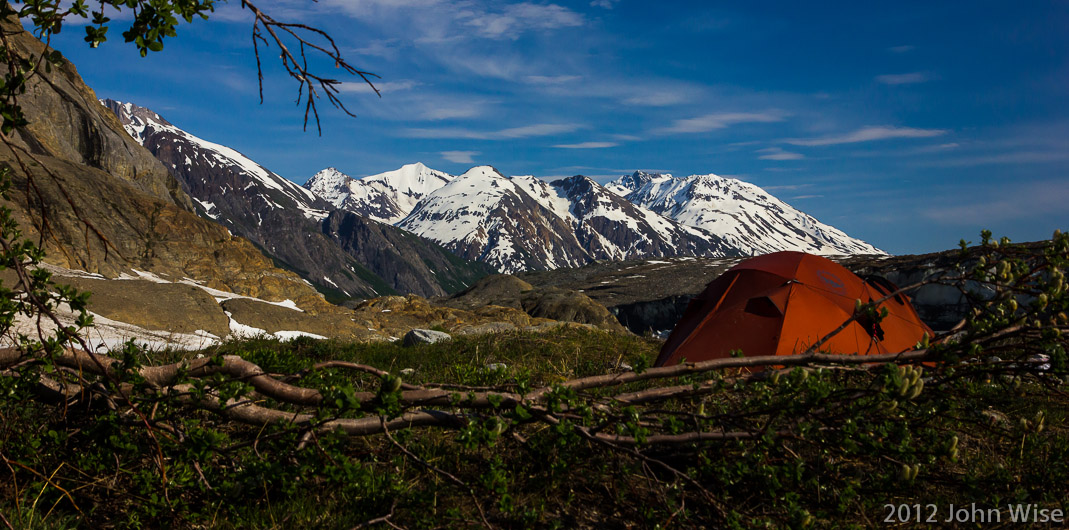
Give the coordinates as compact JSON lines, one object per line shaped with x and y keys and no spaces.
{"x":689,"y":368}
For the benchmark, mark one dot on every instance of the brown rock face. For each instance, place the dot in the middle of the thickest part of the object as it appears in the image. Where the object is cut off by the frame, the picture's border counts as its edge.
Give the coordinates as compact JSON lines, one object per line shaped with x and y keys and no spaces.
{"x":568,"y":306}
{"x":552,"y":303}
{"x":396,"y":315}
{"x":102,"y":203}
{"x":187,"y":308}
{"x":66,"y":122}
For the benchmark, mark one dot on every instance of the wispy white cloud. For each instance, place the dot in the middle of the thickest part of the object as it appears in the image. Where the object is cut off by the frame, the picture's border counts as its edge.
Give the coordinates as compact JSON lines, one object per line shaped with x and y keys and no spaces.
{"x":526,"y":131}
{"x":446,"y":132}
{"x":656,"y":99}
{"x":420,"y":103}
{"x":868,"y":134}
{"x":785,"y":187}
{"x":777,"y":153}
{"x":610,"y":171}
{"x":937,"y":148}
{"x":450,"y":112}
{"x":440,"y":21}
{"x":587,"y":145}
{"x":516,"y":19}
{"x":604,"y":4}
{"x":711,"y":122}
{"x":551,"y":79}
{"x":460,"y":157}
{"x":541,"y":129}
{"x":386,"y":87}
{"x":903,"y":79}
{"x":386,"y":48}
{"x":799,"y":197}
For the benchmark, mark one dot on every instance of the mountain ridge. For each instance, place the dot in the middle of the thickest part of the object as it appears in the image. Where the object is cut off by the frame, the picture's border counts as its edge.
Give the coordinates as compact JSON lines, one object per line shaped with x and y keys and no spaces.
{"x":575,"y":220}
{"x":743,"y":214}
{"x":355,"y":259}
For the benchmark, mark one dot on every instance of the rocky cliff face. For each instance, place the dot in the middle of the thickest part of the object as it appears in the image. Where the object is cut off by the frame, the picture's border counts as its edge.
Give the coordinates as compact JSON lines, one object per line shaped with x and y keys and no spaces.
{"x":101,"y":203}
{"x":65,"y":124}
{"x":400,"y":258}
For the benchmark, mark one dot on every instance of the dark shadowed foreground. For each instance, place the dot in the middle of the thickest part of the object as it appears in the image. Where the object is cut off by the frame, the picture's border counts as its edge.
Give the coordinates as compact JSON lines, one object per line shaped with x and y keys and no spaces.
{"x":562,"y":429}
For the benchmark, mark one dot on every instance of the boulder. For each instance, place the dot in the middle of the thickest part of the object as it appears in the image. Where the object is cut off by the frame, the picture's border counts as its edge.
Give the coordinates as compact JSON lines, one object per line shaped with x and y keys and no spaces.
{"x":568,"y":306}
{"x":424,"y":336}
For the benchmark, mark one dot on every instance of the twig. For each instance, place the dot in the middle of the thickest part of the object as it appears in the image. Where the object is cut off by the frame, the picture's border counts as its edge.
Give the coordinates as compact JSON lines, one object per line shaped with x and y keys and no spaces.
{"x":344,"y":364}
{"x":383,"y":519}
{"x":298,"y":68}
{"x":436,"y":469}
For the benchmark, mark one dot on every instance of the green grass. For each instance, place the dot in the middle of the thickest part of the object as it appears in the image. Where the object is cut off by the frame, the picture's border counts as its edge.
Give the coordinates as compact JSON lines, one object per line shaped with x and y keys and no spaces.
{"x":544,"y":358}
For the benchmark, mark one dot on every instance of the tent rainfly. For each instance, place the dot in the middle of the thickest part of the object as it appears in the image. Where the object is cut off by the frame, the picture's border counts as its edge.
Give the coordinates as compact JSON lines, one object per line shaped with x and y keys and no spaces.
{"x":783,"y":303}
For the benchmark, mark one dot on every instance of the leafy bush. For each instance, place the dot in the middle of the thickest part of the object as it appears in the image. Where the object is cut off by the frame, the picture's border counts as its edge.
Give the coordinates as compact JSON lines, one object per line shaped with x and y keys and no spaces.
{"x":552,"y":430}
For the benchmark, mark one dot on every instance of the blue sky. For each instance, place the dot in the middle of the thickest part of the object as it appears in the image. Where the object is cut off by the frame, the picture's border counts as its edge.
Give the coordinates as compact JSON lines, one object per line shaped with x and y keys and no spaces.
{"x":907,"y":124}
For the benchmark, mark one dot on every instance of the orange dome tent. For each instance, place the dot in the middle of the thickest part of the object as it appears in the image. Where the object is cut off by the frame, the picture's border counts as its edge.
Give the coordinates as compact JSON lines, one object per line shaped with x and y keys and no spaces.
{"x":782,"y":303}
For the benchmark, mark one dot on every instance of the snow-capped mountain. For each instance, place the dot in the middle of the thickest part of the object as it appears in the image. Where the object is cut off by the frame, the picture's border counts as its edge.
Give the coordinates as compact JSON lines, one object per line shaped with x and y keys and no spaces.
{"x":613,"y":228}
{"x":509,"y":223}
{"x":485,"y":216}
{"x":209,"y":170}
{"x":387,"y":197}
{"x":343,"y":256}
{"x":745,"y":216}
{"x":524,"y":223}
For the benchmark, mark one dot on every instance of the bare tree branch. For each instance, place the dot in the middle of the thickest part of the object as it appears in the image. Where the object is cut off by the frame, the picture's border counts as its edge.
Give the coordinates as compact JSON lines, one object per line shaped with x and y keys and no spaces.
{"x":298,"y":69}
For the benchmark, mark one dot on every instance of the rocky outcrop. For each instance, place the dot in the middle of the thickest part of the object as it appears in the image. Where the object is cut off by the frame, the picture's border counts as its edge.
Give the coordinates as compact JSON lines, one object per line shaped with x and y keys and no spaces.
{"x":66,"y":124}
{"x":552,"y":303}
{"x":644,"y":295}
{"x":496,"y":289}
{"x":568,"y":306}
{"x":99,"y":202}
{"x":940,"y":306}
